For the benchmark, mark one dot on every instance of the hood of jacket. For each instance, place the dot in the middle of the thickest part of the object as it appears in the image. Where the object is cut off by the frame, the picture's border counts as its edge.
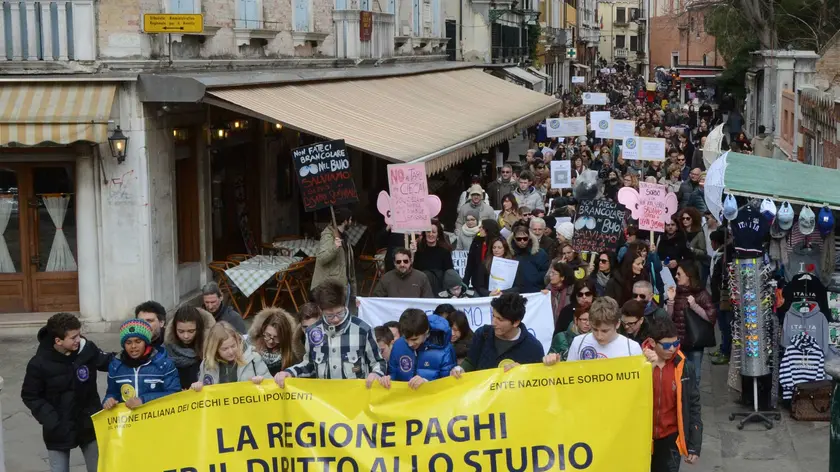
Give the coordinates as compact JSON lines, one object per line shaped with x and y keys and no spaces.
{"x":440,"y":334}
{"x":805,"y":343}
{"x":248,"y":353}
{"x":530,"y":190}
{"x":171,"y":337}
{"x":297,"y":330}
{"x":535,"y":245}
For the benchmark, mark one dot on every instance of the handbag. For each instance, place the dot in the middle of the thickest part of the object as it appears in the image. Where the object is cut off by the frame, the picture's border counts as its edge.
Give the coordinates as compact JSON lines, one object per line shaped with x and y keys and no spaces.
{"x":812,"y":401}
{"x":699,"y":333}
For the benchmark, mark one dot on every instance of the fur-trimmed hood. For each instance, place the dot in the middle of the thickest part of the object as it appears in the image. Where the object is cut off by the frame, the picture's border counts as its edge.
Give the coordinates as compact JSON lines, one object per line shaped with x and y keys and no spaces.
{"x":171,"y":337}
{"x":264,"y":315}
{"x":535,"y":243}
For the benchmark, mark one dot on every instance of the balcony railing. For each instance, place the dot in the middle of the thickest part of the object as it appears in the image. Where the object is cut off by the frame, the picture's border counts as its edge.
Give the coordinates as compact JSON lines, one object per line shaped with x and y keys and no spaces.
{"x":348,"y":42}
{"x":509,"y":54}
{"x":33,"y":30}
{"x":620,"y":53}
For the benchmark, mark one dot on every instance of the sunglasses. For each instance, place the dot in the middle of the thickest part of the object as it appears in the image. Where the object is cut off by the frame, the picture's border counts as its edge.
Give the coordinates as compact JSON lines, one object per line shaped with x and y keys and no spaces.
{"x":666,"y":346}
{"x":526,"y":214}
{"x":584,"y":294}
{"x":524,"y":238}
{"x":604,"y":261}
{"x":639,"y":296}
{"x":401,"y":261}
{"x":686,"y":218}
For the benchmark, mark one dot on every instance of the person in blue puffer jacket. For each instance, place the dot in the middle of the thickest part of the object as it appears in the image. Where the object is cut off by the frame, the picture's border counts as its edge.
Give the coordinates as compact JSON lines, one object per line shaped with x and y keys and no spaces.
{"x":424,"y":352}
{"x":140,"y":373}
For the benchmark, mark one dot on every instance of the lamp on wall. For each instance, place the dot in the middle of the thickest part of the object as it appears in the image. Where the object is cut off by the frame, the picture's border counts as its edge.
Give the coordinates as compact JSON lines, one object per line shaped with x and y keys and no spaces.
{"x":219,"y":132}
{"x":119,"y":144}
{"x":239,"y":125}
{"x":180,"y":134}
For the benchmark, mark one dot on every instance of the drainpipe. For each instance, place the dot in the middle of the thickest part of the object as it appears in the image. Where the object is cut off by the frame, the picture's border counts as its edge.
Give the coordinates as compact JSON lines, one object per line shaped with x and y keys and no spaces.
{"x":461,"y":29}
{"x":2,"y":456}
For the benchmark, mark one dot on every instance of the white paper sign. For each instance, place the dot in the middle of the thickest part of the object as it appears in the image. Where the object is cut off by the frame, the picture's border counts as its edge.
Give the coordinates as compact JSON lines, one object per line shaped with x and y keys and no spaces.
{"x":572,"y":127}
{"x":600,"y":121}
{"x":590,"y":98}
{"x":538,"y":316}
{"x":561,"y":174}
{"x":459,"y":260}
{"x":621,"y":129}
{"x":651,"y":149}
{"x":578,"y":79}
{"x":502,"y":273}
{"x":552,"y":127}
{"x":630,"y":148}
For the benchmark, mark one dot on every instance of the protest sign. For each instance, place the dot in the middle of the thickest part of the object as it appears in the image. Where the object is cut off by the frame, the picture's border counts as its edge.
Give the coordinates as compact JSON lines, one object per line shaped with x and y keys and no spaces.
{"x":323,"y":172}
{"x":590,"y":98}
{"x":600,"y":122}
{"x":502,"y":274}
{"x":572,"y":127}
{"x":538,"y":315}
{"x":533,"y":418}
{"x":622,"y":129}
{"x":409,"y":190}
{"x":561,"y":174}
{"x":652,"y":205}
{"x":578,"y":79}
{"x":630,"y":148}
{"x":651,"y":149}
{"x":552,"y":127}
{"x":459,"y":260}
{"x":598,"y":226}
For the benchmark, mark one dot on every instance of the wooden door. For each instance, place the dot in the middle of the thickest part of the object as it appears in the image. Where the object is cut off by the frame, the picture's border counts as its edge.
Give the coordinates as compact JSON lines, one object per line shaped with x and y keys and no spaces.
{"x":37,"y":203}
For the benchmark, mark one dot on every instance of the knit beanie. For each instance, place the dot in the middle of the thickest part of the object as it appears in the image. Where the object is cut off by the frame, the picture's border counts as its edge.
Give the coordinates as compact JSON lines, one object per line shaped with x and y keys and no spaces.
{"x":135,"y":328}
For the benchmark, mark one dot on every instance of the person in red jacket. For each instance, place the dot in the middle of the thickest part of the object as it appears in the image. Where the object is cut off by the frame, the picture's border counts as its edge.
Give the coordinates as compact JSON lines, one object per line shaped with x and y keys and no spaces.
{"x":677,"y":426}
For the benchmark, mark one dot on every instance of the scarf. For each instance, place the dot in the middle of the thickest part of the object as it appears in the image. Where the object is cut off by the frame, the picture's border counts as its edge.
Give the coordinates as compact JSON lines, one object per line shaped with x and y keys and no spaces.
{"x":559,"y":300}
{"x":182,"y":356}
{"x":602,"y":278}
{"x":271,"y":359}
{"x":469,"y":232}
{"x":135,"y":363}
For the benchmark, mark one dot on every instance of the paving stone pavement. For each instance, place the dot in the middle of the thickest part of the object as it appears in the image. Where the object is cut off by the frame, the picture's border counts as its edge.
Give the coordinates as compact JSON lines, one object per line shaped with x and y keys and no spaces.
{"x":789,"y":447}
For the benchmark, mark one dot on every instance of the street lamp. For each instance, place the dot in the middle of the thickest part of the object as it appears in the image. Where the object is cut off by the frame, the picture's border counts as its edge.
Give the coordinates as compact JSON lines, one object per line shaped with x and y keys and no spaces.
{"x":119,"y":144}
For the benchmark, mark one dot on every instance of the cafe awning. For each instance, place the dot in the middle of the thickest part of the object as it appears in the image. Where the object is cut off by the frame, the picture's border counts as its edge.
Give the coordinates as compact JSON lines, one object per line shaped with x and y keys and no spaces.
{"x":57,"y":112}
{"x":438,"y":118}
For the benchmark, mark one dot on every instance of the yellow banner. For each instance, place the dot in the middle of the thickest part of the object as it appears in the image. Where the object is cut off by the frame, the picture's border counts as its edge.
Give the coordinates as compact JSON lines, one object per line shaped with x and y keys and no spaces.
{"x":592,"y":415}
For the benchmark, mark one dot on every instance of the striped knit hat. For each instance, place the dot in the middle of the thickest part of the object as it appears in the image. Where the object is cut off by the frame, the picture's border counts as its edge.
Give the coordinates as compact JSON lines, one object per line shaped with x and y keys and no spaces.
{"x":135,"y":328}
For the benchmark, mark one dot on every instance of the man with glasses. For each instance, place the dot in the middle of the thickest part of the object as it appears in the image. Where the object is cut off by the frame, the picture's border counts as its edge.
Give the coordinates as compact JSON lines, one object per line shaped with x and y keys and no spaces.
{"x":501,"y":186}
{"x":634,"y":325}
{"x":537,"y":228}
{"x":643,"y":292}
{"x":403,"y":281}
{"x":338,"y":346}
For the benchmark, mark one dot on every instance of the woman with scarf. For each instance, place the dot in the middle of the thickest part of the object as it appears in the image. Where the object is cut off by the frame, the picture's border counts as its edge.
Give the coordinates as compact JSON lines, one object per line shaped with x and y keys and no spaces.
{"x":690,"y":294}
{"x":481,"y":280}
{"x":612,"y":185}
{"x":691,"y":224}
{"x":583,"y":294}
{"x":468,"y":232}
{"x":561,"y":280}
{"x":601,"y":275}
{"x":488,"y":231}
{"x":510,"y":212}
{"x":632,"y":269}
{"x":276,"y":336}
{"x":433,"y":256}
{"x":184,"y":338}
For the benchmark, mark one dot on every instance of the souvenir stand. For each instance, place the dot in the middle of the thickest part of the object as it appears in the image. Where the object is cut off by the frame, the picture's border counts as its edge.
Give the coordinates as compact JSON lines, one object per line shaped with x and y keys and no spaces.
{"x":770,"y":326}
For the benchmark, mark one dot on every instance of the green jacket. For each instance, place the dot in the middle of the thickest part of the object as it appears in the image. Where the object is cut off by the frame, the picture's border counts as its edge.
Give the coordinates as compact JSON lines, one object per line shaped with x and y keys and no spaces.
{"x":563,"y":341}
{"x":331,"y":263}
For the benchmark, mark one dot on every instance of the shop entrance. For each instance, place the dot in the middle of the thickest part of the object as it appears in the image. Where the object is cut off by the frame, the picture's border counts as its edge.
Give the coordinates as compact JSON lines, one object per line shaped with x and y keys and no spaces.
{"x":38,"y":271}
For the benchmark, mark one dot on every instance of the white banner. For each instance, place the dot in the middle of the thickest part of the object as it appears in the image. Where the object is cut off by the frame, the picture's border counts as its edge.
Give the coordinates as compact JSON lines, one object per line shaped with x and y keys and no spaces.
{"x":590,"y":98}
{"x":630,"y":148}
{"x":578,"y":79}
{"x":652,"y":149}
{"x":538,"y":318}
{"x":459,"y":260}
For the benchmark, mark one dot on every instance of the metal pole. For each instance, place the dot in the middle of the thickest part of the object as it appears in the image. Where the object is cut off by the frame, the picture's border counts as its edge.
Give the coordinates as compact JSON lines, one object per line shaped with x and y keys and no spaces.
{"x":2,"y":454}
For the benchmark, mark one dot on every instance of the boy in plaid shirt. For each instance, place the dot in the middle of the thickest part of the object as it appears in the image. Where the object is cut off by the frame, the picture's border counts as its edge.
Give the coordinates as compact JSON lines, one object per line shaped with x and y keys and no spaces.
{"x":338,"y":346}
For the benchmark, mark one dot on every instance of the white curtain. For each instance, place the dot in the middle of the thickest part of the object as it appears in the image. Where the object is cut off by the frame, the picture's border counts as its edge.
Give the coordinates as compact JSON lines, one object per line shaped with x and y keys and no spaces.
{"x":61,"y":257}
{"x":6,"y":206}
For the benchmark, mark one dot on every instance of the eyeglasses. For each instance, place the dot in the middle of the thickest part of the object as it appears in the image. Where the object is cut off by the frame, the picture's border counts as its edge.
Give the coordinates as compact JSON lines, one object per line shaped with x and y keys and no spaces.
{"x":640,"y":296}
{"x":402,"y":261}
{"x":524,"y":238}
{"x":681,"y":159}
{"x":270,"y":338}
{"x":505,"y":172}
{"x":604,"y":261}
{"x":629,"y":324}
{"x":584,"y":294}
{"x":666,"y":346}
{"x":336,"y":316}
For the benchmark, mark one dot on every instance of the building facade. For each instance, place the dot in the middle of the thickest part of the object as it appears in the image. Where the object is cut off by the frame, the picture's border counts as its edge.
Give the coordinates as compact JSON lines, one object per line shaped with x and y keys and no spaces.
{"x":677,"y":35}
{"x":620,"y":41}
{"x":97,"y":223}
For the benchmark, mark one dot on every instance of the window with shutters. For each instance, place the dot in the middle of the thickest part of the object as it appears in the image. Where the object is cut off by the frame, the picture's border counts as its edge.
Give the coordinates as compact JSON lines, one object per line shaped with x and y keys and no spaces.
{"x":249,"y":14}
{"x":184,"y":6}
{"x":620,"y":15}
{"x":302,"y":15}
{"x":634,"y":43}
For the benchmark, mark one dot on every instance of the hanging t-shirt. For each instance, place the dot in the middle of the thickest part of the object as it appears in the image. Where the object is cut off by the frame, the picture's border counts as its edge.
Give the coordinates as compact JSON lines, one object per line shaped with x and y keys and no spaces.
{"x":586,"y":347}
{"x":749,"y":230}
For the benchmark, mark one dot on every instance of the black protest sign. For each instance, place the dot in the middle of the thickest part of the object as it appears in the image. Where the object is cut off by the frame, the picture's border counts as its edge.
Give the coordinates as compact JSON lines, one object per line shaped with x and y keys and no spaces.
{"x":323,"y":171}
{"x":598,"y":226}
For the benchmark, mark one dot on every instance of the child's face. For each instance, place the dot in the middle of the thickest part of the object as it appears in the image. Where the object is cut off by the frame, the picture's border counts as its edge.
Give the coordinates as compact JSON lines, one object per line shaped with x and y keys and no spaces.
{"x":456,"y":333}
{"x":415,"y":342}
{"x":71,"y":341}
{"x":185,"y":331}
{"x":270,"y":337}
{"x":135,"y":347}
{"x":227,"y":350}
{"x":604,"y":333}
{"x":666,"y":348}
{"x":384,"y":349}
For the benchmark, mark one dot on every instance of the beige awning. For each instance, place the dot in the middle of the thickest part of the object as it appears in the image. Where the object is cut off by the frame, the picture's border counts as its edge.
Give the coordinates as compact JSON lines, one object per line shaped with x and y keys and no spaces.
{"x":60,"y":113}
{"x":438,"y":118}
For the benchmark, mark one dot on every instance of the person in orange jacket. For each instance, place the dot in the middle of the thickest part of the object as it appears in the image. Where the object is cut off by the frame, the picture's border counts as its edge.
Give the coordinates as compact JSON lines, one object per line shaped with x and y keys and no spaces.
{"x":677,"y":426}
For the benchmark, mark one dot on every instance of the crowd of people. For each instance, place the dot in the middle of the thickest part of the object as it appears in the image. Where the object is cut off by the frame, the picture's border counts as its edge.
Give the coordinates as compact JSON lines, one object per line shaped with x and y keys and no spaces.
{"x":606,"y":305}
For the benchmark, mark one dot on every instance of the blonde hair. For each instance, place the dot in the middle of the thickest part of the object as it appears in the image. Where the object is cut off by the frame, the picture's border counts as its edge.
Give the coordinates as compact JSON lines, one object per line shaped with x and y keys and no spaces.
{"x":604,"y":310}
{"x":219,"y":333}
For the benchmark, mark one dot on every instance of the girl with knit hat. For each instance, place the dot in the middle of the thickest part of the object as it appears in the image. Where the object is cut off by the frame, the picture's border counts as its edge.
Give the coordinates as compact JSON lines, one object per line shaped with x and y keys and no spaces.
{"x":228,"y":358}
{"x":140,"y":373}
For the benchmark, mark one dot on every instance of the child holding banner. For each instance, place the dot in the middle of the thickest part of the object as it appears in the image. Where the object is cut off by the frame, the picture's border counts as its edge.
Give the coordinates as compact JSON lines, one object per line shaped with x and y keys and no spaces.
{"x":424,"y":351}
{"x":603,"y":341}
{"x":227,"y":359}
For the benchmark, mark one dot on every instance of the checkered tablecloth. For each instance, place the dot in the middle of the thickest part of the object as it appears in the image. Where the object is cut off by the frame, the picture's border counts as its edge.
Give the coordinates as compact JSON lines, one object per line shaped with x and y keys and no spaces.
{"x":250,"y":274}
{"x":306,"y":246}
{"x":355,"y":232}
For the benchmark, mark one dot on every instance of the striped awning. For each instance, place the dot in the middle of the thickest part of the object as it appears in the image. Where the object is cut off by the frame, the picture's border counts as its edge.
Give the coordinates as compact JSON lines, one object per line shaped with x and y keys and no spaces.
{"x":60,"y":113}
{"x":438,"y":118}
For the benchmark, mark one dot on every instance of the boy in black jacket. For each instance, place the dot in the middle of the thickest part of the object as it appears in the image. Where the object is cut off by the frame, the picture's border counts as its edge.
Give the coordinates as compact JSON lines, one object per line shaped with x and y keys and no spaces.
{"x":60,"y":390}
